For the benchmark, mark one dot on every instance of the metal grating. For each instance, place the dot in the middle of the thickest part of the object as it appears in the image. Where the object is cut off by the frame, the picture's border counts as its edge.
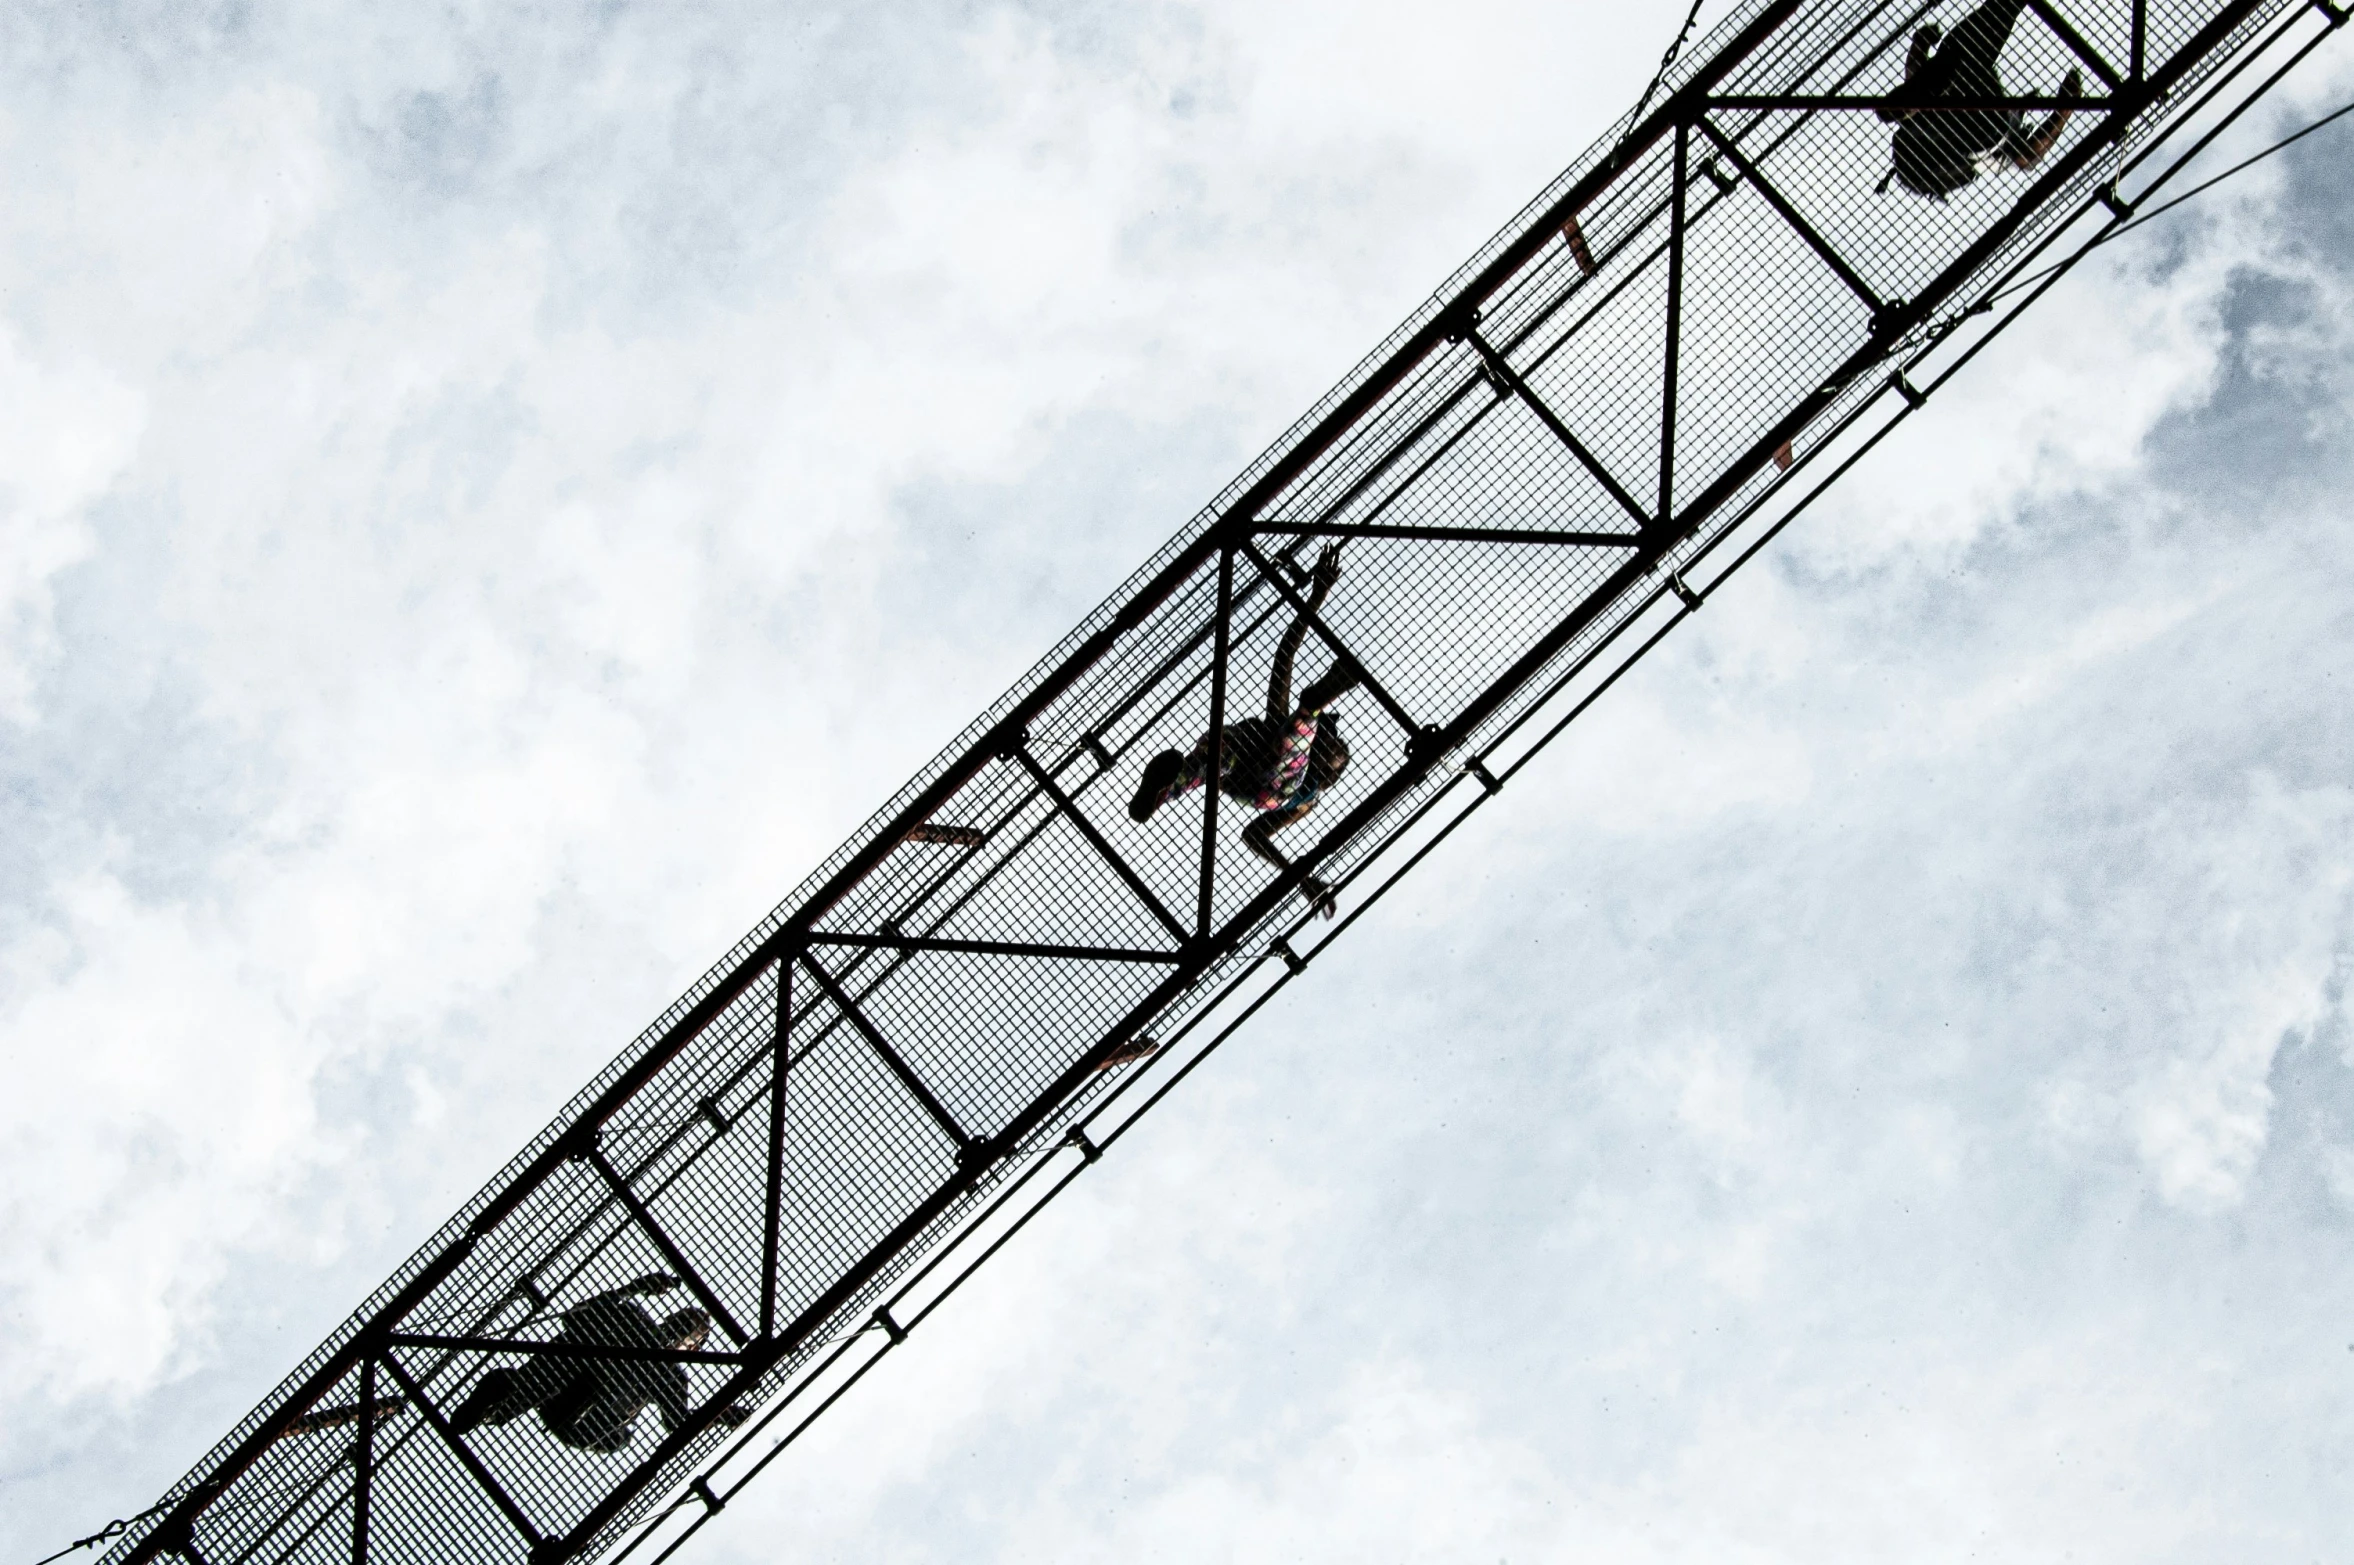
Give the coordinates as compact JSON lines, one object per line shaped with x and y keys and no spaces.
{"x":1001,"y":970}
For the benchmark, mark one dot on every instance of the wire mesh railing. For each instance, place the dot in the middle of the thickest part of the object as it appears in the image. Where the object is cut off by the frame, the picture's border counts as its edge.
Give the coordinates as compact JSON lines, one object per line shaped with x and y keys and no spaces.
{"x":878,"y":1084}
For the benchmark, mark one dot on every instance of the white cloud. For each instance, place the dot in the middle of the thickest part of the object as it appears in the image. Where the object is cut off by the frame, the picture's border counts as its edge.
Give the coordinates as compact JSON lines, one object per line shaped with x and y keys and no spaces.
{"x":66,"y":435}
{"x":160,"y":1087}
{"x":2258,"y":957}
{"x":2119,"y":349}
{"x":536,"y":469}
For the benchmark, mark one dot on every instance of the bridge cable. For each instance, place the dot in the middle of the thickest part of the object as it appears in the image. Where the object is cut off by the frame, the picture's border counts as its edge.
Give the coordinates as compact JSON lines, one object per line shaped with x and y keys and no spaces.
{"x":2164,"y":207}
{"x":1666,"y":62}
{"x":106,"y":1534}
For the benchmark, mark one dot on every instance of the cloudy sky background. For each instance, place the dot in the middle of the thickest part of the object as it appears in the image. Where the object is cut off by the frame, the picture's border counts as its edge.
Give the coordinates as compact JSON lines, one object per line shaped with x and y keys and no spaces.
{"x":489,"y":497}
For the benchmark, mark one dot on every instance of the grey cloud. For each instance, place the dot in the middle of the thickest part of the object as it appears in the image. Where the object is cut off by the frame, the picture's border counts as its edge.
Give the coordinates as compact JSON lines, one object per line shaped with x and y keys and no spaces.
{"x":442,"y":141}
{"x":1772,"y":1175}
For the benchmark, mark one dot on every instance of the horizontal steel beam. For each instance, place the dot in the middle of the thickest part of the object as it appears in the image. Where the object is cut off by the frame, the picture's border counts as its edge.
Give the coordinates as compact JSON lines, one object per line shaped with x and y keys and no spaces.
{"x":570,"y":1350}
{"x":892,"y":942}
{"x":1527,"y":535}
{"x":1832,"y":103}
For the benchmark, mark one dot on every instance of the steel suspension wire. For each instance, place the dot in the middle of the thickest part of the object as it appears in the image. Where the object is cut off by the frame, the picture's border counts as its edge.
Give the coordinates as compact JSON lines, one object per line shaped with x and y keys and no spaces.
{"x":2108,"y":194}
{"x":2201,"y":188}
{"x":2246,"y":163}
{"x":106,"y":1534}
{"x":1028,"y":948}
{"x":1666,"y":62}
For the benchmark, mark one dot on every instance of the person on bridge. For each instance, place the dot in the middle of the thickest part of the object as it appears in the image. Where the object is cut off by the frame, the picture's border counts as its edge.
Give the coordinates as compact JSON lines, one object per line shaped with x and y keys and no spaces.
{"x":1279,"y":764}
{"x":1937,"y":149}
{"x":592,"y":1402}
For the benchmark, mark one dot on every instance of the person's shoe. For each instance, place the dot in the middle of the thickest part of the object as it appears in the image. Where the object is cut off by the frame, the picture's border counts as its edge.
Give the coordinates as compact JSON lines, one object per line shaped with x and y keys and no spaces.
{"x":1159,"y":772}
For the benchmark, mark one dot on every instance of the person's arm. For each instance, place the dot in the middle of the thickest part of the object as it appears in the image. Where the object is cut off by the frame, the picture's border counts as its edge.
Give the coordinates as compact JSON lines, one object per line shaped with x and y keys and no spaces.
{"x":593,"y":1318}
{"x":602,"y":1304}
{"x":1258,"y":836}
{"x":670,"y":1402}
{"x":2048,"y":133}
{"x":1288,"y":649}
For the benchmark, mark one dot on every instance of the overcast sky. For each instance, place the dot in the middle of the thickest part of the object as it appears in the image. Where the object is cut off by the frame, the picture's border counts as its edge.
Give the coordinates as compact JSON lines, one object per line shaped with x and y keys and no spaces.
{"x":489,"y":497}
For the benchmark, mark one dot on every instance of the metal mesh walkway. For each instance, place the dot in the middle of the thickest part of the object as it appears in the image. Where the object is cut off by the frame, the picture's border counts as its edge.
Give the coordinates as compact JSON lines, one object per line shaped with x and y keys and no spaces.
{"x":1606,"y":410}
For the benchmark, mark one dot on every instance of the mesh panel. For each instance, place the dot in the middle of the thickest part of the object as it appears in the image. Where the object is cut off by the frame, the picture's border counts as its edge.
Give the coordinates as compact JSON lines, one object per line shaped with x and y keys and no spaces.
{"x":832,"y":1101}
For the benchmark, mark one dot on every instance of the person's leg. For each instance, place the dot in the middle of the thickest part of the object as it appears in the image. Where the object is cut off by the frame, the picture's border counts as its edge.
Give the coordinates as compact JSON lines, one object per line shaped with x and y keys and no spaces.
{"x":1136,"y":1048}
{"x":1575,"y":238}
{"x":496,"y":1398}
{"x":1966,"y":60}
{"x":1169,"y":775}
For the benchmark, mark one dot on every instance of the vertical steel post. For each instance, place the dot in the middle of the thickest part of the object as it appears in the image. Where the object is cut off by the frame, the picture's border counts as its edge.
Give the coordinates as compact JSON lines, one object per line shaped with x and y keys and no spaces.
{"x":769,"y":1232}
{"x":1675,"y":326}
{"x":363,"y":1463}
{"x":1217,"y":741}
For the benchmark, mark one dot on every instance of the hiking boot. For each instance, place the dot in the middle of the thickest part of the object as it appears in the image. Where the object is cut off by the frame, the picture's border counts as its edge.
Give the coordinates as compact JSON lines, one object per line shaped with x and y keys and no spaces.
{"x":1159,"y":772}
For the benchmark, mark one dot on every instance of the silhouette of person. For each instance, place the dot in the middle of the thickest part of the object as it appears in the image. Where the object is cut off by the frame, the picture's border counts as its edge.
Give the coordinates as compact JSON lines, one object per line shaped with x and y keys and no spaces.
{"x":591,"y":1402}
{"x":1279,"y":764}
{"x":1938,"y":150}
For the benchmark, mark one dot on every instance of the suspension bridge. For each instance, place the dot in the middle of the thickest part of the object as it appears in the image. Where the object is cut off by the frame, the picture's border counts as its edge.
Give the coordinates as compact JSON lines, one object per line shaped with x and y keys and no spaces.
{"x":1617,"y":402}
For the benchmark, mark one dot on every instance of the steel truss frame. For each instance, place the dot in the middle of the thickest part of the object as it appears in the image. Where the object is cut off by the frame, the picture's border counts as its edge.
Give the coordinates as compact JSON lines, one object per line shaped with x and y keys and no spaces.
{"x":856,"y":972}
